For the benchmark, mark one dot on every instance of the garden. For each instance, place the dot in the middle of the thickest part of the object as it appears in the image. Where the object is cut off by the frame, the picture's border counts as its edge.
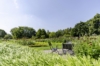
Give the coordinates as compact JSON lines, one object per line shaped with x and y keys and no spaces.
{"x":21,"y":52}
{"x":25,"y":46}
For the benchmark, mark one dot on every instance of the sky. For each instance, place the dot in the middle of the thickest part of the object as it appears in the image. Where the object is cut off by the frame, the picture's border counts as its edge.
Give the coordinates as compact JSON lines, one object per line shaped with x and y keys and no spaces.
{"x":50,"y":15}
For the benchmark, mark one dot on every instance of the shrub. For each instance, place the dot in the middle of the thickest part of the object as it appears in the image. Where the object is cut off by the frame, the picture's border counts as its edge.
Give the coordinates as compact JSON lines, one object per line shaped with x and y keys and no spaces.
{"x":25,"y":42}
{"x":33,"y":37}
{"x":7,"y":36}
{"x":60,"y":39}
{"x":15,"y":55}
{"x":88,"y":48}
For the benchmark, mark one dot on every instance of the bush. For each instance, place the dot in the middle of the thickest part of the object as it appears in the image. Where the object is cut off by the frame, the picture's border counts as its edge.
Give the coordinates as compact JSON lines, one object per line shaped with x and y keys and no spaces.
{"x":16,"y":55}
{"x":33,"y":37}
{"x":43,"y":36}
{"x":60,"y":39}
{"x":25,"y":42}
{"x":7,"y":36}
{"x":87,"y":48}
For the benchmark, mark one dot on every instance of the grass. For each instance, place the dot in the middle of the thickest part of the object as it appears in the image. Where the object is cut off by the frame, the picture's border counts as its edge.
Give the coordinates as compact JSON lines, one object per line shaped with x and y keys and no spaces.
{"x":18,"y":55}
{"x":36,"y":45}
{"x":48,"y":47}
{"x":14,"y":54}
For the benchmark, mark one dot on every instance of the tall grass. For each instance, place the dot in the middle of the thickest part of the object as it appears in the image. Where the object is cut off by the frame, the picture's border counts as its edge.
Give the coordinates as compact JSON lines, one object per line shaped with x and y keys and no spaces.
{"x":16,"y":55}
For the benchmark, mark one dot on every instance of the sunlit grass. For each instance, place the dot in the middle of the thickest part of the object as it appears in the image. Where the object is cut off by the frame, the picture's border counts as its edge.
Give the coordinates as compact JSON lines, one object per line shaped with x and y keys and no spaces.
{"x":18,"y":55}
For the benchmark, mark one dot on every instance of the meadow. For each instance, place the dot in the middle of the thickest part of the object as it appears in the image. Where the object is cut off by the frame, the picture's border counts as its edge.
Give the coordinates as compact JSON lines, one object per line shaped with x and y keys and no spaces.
{"x":16,"y":55}
{"x":19,"y":53}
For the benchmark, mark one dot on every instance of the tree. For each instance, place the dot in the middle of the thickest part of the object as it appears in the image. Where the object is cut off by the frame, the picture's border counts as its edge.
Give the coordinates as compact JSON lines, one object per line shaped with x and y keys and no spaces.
{"x":7,"y":36}
{"x":16,"y":33}
{"x":38,"y":33}
{"x":59,"y":33}
{"x":52,"y":35}
{"x":2,"y":33}
{"x":23,"y":32}
{"x":94,"y":23}
{"x":80,"y":29}
{"x":67,"y":32}
{"x":74,"y":32}
{"x":48,"y":32}
{"x":41,"y":33}
{"x":28,"y":32}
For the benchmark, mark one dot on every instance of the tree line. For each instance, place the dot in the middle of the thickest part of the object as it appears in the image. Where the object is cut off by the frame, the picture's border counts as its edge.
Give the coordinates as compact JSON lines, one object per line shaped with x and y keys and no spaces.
{"x":90,"y":27}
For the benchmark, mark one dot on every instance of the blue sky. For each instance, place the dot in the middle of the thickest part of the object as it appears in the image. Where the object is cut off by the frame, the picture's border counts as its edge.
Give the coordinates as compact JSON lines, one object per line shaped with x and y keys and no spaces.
{"x":48,"y":14}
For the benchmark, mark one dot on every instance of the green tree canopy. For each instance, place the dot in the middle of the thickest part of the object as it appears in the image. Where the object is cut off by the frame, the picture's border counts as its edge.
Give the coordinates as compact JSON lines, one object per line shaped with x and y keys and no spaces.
{"x":80,"y":29}
{"x":52,"y":35}
{"x":2,"y":33}
{"x":23,"y":32}
{"x":41,"y":33}
{"x":8,"y":36}
{"x":59,"y":33}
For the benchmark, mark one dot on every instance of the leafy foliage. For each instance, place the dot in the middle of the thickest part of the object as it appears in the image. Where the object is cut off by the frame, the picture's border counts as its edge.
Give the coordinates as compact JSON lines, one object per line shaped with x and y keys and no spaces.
{"x":25,"y":42}
{"x":80,"y":29}
{"x":15,"y":55}
{"x":52,"y":35}
{"x":8,"y":36}
{"x":41,"y":33}
{"x":88,"y":47}
{"x":2,"y":33}
{"x":23,"y":32}
{"x":59,"y":33}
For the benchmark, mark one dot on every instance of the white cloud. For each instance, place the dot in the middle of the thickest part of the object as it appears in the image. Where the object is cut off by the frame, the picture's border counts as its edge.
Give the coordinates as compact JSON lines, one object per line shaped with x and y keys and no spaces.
{"x":16,"y":4}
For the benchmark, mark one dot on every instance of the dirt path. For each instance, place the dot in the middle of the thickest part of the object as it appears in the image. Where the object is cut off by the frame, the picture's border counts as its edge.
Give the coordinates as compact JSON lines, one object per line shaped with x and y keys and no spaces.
{"x":60,"y":52}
